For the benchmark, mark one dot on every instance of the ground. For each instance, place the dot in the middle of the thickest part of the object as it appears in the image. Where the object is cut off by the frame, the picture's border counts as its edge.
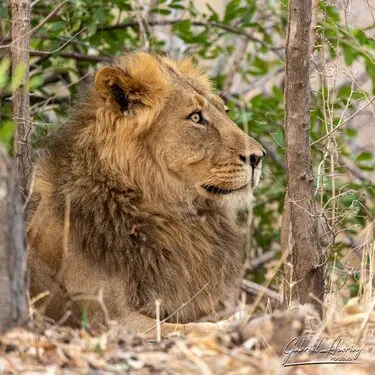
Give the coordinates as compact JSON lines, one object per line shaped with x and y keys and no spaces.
{"x":255,"y":348}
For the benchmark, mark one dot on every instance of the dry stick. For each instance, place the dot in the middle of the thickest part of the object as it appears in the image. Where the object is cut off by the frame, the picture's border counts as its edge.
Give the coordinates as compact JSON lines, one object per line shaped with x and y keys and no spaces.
{"x":308,"y":277}
{"x":265,"y":286}
{"x":20,"y":97}
{"x":145,"y":44}
{"x":257,"y":289}
{"x":262,"y":259}
{"x":258,"y":83}
{"x":158,"y":331}
{"x":236,"y":63}
{"x":201,"y":364}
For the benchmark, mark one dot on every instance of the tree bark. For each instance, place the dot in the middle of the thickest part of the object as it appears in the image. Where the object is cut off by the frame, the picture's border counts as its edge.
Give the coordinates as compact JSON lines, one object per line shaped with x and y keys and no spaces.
{"x":20,"y":98}
{"x":13,"y":302}
{"x":307,"y":273}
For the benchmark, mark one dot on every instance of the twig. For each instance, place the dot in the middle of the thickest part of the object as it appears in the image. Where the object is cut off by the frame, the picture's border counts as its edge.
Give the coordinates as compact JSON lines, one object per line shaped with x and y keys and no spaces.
{"x":366,"y":320}
{"x":157,"y":307}
{"x":145,"y":44}
{"x":256,"y":289}
{"x":201,"y":364}
{"x":67,"y":42}
{"x":261,"y":260}
{"x":236,"y":63}
{"x":344,"y":122}
{"x":258,"y":83}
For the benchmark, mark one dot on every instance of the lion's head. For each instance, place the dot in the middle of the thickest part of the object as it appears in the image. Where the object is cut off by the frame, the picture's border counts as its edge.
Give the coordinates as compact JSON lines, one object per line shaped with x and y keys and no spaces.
{"x":151,"y":104}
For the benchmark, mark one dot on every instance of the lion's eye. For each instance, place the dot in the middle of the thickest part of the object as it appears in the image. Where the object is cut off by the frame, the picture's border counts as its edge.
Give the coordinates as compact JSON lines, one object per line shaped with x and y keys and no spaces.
{"x":197,"y":118}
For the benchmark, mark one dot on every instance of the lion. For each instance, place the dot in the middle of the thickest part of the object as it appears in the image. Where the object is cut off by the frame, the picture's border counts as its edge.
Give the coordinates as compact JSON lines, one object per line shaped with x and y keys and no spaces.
{"x":136,"y":201}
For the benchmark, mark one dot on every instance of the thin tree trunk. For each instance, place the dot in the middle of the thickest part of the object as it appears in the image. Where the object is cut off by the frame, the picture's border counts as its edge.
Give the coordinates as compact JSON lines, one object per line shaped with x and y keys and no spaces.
{"x":13,"y":302}
{"x":20,"y":98}
{"x":307,"y":274}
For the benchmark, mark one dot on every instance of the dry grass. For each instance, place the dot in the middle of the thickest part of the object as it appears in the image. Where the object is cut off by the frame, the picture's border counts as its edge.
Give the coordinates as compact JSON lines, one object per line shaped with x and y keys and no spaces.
{"x":255,"y":347}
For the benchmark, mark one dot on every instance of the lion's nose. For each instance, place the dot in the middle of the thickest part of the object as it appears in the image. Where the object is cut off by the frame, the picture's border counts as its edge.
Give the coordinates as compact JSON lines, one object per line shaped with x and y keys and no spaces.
{"x":253,"y":159}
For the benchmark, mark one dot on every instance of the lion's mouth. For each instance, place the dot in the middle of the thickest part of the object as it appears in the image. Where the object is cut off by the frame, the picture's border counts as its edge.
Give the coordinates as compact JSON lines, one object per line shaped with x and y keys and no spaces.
{"x":217,"y":190}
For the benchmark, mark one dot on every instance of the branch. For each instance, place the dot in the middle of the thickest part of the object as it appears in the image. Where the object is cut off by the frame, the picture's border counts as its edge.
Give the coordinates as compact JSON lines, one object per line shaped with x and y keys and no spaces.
{"x":257,"y":83}
{"x":206,"y":24}
{"x":262,"y":259}
{"x":73,"y":55}
{"x":20,"y":97}
{"x":144,"y":42}
{"x":256,"y":289}
{"x":234,"y":67}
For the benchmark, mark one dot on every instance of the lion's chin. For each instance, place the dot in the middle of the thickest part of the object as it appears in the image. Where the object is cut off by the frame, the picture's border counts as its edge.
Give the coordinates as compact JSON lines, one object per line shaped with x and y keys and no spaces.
{"x":216,"y":190}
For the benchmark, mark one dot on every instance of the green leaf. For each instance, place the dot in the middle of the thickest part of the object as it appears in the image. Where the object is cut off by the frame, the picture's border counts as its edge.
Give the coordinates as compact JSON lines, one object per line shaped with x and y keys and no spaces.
{"x":351,"y":133}
{"x":57,"y":27}
{"x":176,"y":6}
{"x":85,"y":324}
{"x":365,"y":167}
{"x":279,"y":137}
{"x":260,"y":65}
{"x":344,"y":92}
{"x":276,"y":90}
{"x":360,"y":36}
{"x":6,"y":131}
{"x":349,"y":54}
{"x":231,"y":10}
{"x":364,"y":156}
{"x":214,"y":17}
{"x":35,"y":82}
{"x":182,"y":26}
{"x":18,"y":76}
{"x":164,"y":12}
{"x":91,"y":28}
{"x":4,"y":67}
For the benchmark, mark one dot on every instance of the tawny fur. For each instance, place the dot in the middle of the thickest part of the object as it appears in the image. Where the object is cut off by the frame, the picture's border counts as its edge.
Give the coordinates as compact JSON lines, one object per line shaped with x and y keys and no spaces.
{"x":118,"y":203}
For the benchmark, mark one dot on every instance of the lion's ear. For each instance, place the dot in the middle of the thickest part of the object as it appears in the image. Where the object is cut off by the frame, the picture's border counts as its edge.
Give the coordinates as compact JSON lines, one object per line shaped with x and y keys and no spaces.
{"x":138,"y":80}
{"x":110,"y":82}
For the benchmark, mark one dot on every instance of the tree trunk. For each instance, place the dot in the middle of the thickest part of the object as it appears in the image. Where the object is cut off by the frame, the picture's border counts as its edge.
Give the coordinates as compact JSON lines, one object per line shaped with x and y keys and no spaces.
{"x":13,"y":302}
{"x":306,"y":273}
{"x":20,"y":98}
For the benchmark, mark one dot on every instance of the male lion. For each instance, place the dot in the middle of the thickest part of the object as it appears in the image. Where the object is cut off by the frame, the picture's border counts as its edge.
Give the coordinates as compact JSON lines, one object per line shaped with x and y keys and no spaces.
{"x":136,"y":199}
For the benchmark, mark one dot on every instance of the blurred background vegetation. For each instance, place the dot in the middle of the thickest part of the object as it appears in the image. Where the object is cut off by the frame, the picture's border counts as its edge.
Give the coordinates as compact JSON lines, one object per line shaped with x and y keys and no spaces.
{"x":241,"y":45}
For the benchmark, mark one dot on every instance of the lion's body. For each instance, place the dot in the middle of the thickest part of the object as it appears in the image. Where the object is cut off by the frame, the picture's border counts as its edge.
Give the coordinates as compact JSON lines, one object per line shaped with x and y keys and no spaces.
{"x":115,"y":208}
